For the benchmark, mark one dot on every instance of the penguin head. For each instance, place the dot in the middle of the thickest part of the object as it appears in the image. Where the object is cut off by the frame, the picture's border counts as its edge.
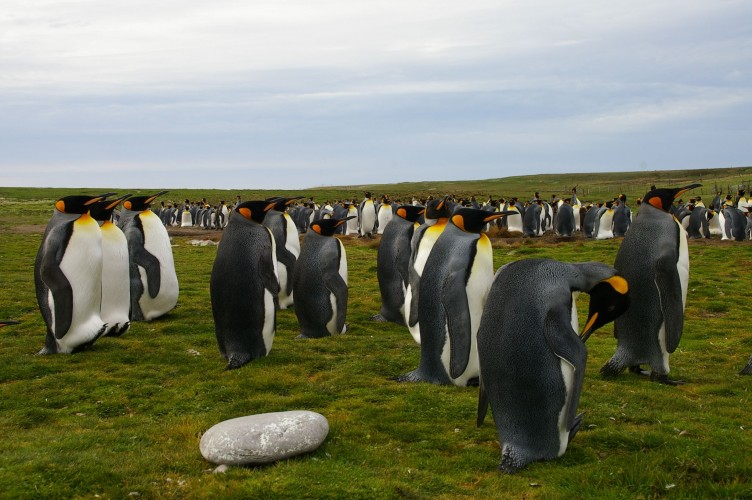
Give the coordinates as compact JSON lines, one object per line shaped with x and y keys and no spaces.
{"x":77,"y":204}
{"x":609,"y":204}
{"x":102,"y":210}
{"x":327,"y":227}
{"x":437,"y":209}
{"x":281,"y":204}
{"x":141,"y":203}
{"x":410,"y":213}
{"x":474,"y":220}
{"x":663,"y":198}
{"x":608,"y":300}
{"x":7,"y":322}
{"x":254,"y":210}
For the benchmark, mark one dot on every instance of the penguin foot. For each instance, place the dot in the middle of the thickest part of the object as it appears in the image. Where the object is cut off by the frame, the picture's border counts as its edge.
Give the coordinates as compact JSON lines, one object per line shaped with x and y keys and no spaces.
{"x":412,"y":376}
{"x":379,"y":318}
{"x":510,"y":462}
{"x":611,"y":369}
{"x":639,"y":371}
{"x":237,"y":360}
{"x":88,"y":344}
{"x":662,"y":378}
{"x":473,"y":382}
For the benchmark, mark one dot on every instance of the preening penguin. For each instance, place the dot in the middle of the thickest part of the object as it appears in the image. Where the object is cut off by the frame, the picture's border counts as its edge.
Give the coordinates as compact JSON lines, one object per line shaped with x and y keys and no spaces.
{"x":453,"y":290}
{"x":116,"y":288}
{"x":654,"y":259}
{"x":320,"y":281}
{"x":287,"y":244}
{"x":154,"y":284}
{"x":244,"y":286}
{"x":393,"y":261}
{"x":532,"y":362}
{"x":68,"y":277}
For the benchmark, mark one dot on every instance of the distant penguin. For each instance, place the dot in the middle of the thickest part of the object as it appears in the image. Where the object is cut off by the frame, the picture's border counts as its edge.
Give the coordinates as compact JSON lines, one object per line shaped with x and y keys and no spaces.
{"x":514,"y":221}
{"x":116,"y":288}
{"x":367,"y":215}
{"x":186,"y":219}
{"x":604,"y":219}
{"x":320,"y":281}
{"x":699,"y":223}
{"x":588,"y":225}
{"x":453,"y":290}
{"x":622,"y":217}
{"x":532,"y":220}
{"x":68,"y":277}
{"x":565,"y":219}
{"x":244,"y":286}
{"x":352,"y":214}
{"x":733,"y":224}
{"x":532,"y":362}
{"x":393,"y":262}
{"x":437,"y":216}
{"x":654,"y":259}
{"x":576,"y":208}
{"x":385,"y":214}
{"x":154,"y":284}
{"x":287,"y":243}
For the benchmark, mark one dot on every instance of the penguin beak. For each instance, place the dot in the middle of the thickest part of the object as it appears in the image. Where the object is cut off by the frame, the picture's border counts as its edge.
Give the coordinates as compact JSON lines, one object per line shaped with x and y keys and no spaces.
{"x":498,"y":215}
{"x":293,"y":200}
{"x":608,"y":300}
{"x":117,"y":201}
{"x":8,"y":322}
{"x":685,"y":189}
{"x":588,"y":330}
{"x":154,"y":197}
{"x":270,"y":206}
{"x":340,"y":222}
{"x":422,"y":212}
{"x":104,"y":196}
{"x":94,"y":200}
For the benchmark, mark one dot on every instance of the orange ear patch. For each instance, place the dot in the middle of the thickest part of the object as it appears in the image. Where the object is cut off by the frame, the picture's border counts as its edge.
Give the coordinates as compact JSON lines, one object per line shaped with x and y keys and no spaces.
{"x":127,"y":205}
{"x":60,"y":205}
{"x":459,"y":221}
{"x":656,"y":202}
{"x":316,"y":228}
{"x":245,"y":212}
{"x":402,"y":212}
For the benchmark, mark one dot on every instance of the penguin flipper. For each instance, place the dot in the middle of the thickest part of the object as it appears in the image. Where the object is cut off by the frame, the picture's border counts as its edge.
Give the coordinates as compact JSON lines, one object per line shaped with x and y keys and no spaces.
{"x":457,"y":313}
{"x":669,"y":290}
{"x":415,"y":291}
{"x":287,"y":259}
{"x":482,"y":403}
{"x":151,"y":265}
{"x":62,"y":292}
{"x":337,"y":286}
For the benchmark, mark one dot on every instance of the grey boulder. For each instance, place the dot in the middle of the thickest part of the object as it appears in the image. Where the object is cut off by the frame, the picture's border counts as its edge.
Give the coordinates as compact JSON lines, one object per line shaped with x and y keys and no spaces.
{"x":264,"y":438}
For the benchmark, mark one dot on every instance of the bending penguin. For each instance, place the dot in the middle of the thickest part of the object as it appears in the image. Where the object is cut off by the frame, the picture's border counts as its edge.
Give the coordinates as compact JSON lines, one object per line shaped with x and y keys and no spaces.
{"x":68,"y":277}
{"x":244,"y":286}
{"x":532,"y":362}
{"x":654,"y":259}
{"x":116,"y":288}
{"x":393,"y":261}
{"x":453,"y":291}
{"x":320,"y":281}
{"x":154,"y":284}
{"x":287,"y":244}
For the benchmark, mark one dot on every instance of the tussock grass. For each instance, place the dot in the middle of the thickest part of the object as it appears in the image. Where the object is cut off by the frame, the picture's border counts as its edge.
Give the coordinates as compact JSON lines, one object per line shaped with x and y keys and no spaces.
{"x":127,"y":415}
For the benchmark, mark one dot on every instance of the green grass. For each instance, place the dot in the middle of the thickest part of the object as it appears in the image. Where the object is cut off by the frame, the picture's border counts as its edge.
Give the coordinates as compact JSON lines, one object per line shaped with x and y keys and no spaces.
{"x":127,"y":415}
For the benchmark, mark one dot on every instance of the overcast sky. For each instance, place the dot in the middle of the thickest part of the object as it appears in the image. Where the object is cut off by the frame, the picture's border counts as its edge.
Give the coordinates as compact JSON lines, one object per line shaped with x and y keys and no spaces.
{"x":295,"y":94}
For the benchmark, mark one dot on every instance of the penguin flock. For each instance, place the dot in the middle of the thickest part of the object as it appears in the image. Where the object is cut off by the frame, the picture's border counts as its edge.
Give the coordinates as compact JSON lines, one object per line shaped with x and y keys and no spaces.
{"x":93,"y":277}
{"x":474,"y":326}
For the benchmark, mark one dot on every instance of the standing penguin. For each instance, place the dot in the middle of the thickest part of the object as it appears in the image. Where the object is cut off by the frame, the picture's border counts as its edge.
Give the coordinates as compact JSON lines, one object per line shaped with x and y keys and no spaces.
{"x":320,"y":281}
{"x":453,"y":291}
{"x":425,"y":236}
{"x":532,"y":362}
{"x":385,"y":214}
{"x":287,"y":244}
{"x":116,"y":288}
{"x":514,"y":221}
{"x":604,"y":218}
{"x":654,"y":259}
{"x":393,"y":261}
{"x":244,"y":286}
{"x":154,"y":284}
{"x":533,"y":218}
{"x":367,"y":215}
{"x":565,"y":219}
{"x":68,"y":277}
{"x":352,"y":215}
{"x":699,"y":222}
{"x":622,"y":217}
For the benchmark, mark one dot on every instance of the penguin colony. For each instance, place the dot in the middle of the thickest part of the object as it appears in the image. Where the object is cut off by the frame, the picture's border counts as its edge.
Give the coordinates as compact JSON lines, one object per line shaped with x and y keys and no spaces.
{"x":435,"y":273}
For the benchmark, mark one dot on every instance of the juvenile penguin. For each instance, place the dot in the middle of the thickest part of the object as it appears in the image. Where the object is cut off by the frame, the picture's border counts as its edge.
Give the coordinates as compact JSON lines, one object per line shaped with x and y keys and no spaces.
{"x":425,"y":236}
{"x":116,"y":288}
{"x":287,"y":243}
{"x":603,"y":227}
{"x":367,"y":215}
{"x":244,"y":286}
{"x":154,"y":284}
{"x":453,"y":290}
{"x":68,"y":277}
{"x":654,"y":259}
{"x":393,"y":261}
{"x":532,"y":362}
{"x":320,"y":281}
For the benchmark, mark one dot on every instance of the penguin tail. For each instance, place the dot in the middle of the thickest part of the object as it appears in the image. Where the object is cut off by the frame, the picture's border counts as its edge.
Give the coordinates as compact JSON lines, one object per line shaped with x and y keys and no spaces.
{"x":235,"y":361}
{"x":747,"y":370}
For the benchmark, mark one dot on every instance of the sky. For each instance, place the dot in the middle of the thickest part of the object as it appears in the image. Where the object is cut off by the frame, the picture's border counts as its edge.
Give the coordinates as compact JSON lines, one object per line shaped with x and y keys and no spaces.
{"x":294,"y":94}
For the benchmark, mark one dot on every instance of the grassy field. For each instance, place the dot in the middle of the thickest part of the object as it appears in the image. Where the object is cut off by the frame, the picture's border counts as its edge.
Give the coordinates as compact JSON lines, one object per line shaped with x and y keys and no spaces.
{"x":125,"y":417}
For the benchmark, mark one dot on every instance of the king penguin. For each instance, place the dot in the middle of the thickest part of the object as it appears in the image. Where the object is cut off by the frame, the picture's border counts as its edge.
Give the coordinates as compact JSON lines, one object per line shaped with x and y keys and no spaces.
{"x":604,"y":219}
{"x":367,"y":215}
{"x":154,"y":284}
{"x":385,"y":214}
{"x":565,"y":219}
{"x":320,"y":281}
{"x":68,"y":277}
{"x":392,"y":262}
{"x":622,"y":217}
{"x":244,"y":286}
{"x":532,"y":362}
{"x":116,"y":289}
{"x":453,"y":291}
{"x":654,"y":259}
{"x":287,"y":244}
{"x":424,"y":237}
{"x":699,"y":223}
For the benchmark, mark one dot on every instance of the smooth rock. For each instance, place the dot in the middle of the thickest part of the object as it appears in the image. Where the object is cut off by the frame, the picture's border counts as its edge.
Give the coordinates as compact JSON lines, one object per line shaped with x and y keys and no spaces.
{"x":264,"y":438}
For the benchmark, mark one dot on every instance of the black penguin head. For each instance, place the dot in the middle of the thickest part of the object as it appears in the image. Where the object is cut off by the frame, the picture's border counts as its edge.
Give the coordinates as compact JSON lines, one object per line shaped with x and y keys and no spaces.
{"x":608,"y":300}
{"x":77,"y":204}
{"x":281,"y":204}
{"x":410,"y":213}
{"x":254,"y":210}
{"x":609,"y":204}
{"x":474,"y":220}
{"x":662,"y":199}
{"x":368,"y":194}
{"x":327,"y":227}
{"x":7,"y":322}
{"x":141,"y":203}
{"x":437,"y":209}
{"x":102,"y":210}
